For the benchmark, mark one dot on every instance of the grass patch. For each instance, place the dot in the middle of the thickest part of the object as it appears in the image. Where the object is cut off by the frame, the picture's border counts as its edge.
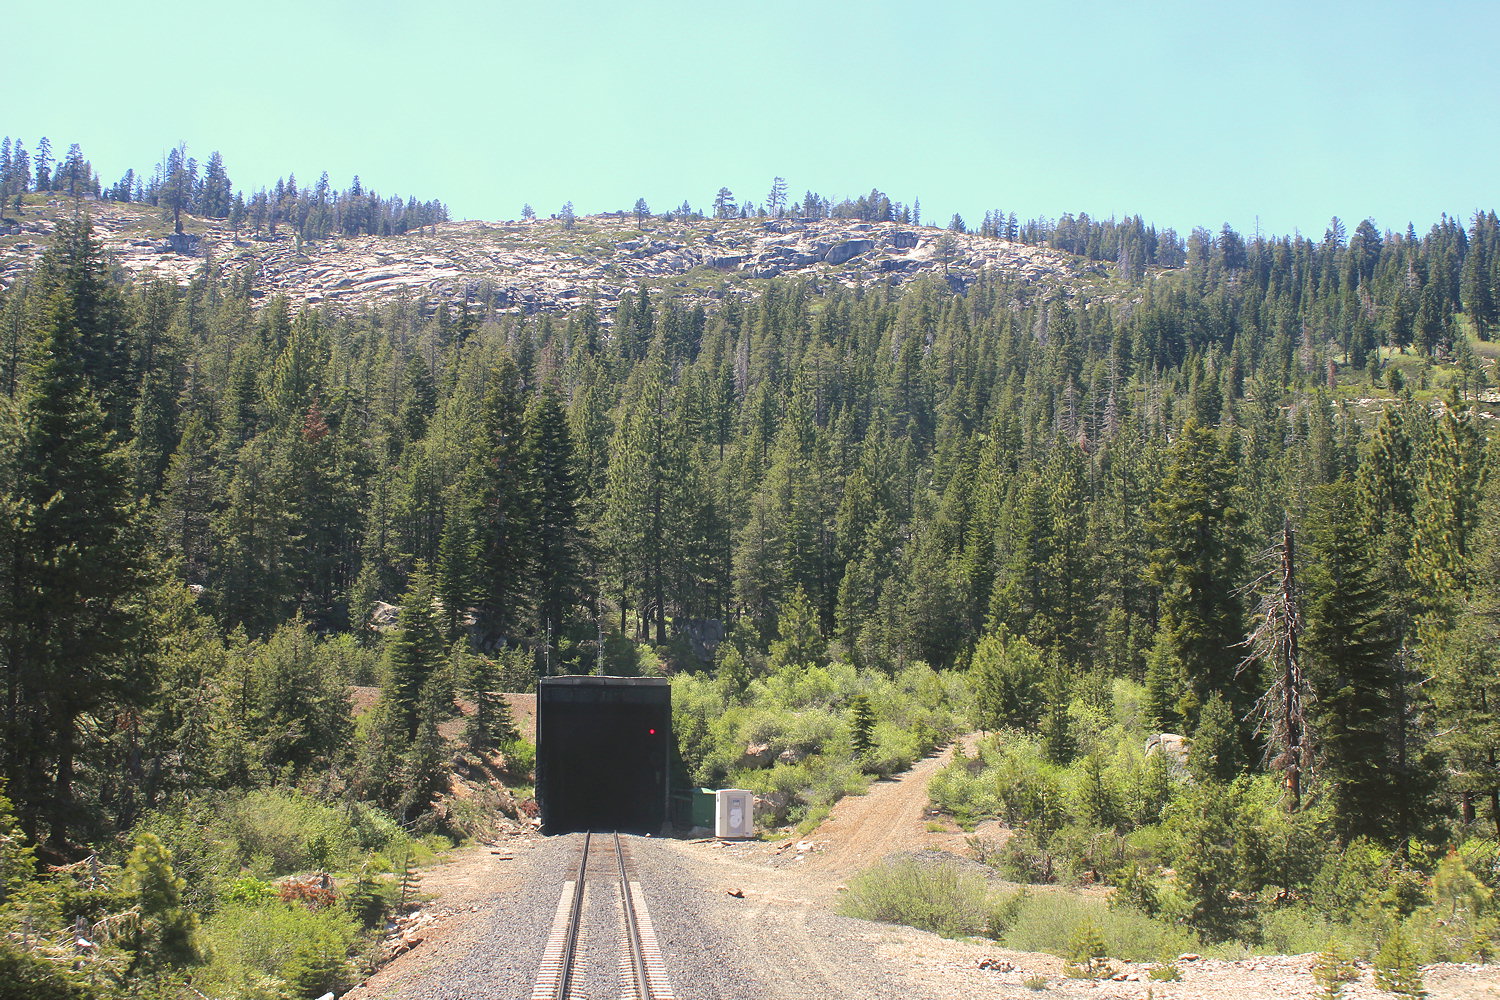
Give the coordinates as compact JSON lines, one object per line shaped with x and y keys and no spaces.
{"x":1048,"y":921}
{"x":942,"y":898}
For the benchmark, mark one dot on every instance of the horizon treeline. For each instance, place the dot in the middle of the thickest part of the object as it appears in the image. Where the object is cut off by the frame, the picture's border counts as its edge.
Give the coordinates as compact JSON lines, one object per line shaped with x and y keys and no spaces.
{"x":180,"y":185}
{"x":1100,"y":474}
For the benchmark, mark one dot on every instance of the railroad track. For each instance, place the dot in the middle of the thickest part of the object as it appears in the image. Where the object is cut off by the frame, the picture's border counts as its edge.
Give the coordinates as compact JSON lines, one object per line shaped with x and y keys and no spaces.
{"x":641,"y":973}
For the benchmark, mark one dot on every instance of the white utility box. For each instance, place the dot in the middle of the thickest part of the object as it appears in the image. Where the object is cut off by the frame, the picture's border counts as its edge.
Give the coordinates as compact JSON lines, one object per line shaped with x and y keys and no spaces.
{"x":734,"y":813}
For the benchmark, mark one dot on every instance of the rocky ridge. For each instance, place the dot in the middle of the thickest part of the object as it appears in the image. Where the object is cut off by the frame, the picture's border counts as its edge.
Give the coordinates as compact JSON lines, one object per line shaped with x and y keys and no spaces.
{"x":541,"y":266}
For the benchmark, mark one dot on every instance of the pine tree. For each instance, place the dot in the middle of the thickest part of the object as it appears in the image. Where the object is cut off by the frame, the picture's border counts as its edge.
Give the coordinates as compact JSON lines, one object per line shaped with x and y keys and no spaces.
{"x":1276,"y":643}
{"x":73,"y":581}
{"x":492,"y":724}
{"x":559,"y":549}
{"x":1332,"y":969}
{"x":165,"y":934}
{"x":1058,"y":735}
{"x":724,"y":206}
{"x":414,"y":652}
{"x":1009,"y":675}
{"x":1215,"y":755}
{"x":1350,"y":644}
{"x":1446,"y":515}
{"x":861,"y":726}
{"x":506,"y":508}
{"x":1396,"y":968}
{"x":1196,"y":521}
{"x":74,"y":266}
{"x":1465,"y":685}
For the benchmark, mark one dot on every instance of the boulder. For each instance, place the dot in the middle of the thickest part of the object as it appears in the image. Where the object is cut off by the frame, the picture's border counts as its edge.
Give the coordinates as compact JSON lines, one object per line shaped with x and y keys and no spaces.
{"x":383,"y":616}
{"x":758,"y":755}
{"x":1175,"y":748}
{"x":902,"y":240}
{"x":848,"y":250}
{"x":791,"y":755}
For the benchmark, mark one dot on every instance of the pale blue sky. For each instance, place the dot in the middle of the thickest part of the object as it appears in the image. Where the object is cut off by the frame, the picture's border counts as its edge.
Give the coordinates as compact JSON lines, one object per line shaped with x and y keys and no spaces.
{"x":1189,"y":113}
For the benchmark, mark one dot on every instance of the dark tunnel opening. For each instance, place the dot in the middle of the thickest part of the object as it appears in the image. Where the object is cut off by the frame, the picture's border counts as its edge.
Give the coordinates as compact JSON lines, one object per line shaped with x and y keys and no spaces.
{"x":603,"y":750}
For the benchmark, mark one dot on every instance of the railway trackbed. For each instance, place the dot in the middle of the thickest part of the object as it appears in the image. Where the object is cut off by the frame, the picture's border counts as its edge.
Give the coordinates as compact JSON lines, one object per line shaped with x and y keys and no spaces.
{"x":602,"y":945}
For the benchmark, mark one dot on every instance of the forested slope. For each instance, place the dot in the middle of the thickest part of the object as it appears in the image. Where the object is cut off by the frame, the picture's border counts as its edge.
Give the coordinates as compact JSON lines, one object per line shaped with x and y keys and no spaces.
{"x":205,"y":498}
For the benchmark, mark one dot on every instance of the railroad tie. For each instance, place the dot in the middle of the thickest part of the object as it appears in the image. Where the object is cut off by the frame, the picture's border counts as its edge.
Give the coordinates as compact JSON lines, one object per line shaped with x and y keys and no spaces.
{"x":656,"y":966}
{"x":549,"y":976}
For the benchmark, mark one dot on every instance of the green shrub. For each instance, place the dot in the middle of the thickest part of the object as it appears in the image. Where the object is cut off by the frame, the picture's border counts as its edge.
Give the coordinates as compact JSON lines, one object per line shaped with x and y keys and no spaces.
{"x":1045,"y":922}
{"x":520,"y":758}
{"x":1396,"y":968}
{"x":939,"y":897}
{"x":1087,"y":955}
{"x":28,"y":974}
{"x":793,"y":790}
{"x":1332,"y":969}
{"x":962,"y":791}
{"x":1023,"y":859}
{"x":249,"y":889}
{"x":305,"y":951}
{"x":1298,"y":930}
{"x":1003,"y":913}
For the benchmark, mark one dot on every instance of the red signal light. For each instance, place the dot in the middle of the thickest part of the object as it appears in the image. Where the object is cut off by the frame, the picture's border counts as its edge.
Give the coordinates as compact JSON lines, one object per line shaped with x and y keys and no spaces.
{"x":651,"y":732}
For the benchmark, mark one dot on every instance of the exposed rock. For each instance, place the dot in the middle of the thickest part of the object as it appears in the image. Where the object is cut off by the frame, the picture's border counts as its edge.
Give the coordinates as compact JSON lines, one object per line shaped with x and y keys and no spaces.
{"x":383,"y":616}
{"x":532,"y":267}
{"x":758,"y":755}
{"x":183,"y":243}
{"x":848,"y":250}
{"x":1171,"y":744}
{"x":791,"y":755}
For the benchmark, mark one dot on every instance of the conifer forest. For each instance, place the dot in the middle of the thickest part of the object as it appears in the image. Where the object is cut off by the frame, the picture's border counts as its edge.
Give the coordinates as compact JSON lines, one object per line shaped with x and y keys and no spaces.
{"x":267,"y":570}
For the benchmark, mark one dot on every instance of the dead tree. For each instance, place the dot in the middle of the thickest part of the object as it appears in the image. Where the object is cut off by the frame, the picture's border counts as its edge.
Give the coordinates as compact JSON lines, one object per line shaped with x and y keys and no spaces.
{"x":1281,"y":713}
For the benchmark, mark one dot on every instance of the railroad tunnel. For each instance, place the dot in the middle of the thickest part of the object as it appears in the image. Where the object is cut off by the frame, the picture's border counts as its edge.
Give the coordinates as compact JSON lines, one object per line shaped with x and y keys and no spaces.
{"x":603,"y":748}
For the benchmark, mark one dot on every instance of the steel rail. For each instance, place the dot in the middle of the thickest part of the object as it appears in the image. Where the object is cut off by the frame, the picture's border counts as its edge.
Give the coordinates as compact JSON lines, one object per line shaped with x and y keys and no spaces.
{"x":574,"y":922}
{"x":632,"y":927}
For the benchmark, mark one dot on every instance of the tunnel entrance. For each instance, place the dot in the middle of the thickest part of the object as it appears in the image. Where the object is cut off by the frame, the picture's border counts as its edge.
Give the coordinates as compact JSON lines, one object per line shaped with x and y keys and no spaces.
{"x":603,"y":746}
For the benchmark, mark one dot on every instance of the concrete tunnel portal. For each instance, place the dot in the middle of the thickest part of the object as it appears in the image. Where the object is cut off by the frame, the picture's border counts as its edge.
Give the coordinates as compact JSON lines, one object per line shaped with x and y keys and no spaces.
{"x":603,"y":753}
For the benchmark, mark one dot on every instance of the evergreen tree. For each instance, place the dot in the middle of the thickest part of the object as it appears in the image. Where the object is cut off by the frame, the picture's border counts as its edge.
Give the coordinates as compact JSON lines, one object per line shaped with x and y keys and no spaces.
{"x":1350,"y":647}
{"x":507,"y":508}
{"x":1009,"y":675}
{"x":414,"y":653}
{"x":492,"y":724}
{"x":164,"y":936}
{"x":559,"y":549}
{"x":1196,"y":522}
{"x":861,"y":726}
{"x":73,"y":582}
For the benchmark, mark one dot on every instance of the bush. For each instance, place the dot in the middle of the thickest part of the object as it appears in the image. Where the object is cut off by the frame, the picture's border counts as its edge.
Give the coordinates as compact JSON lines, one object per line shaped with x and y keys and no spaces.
{"x":28,"y":974}
{"x":306,"y":952}
{"x":1046,"y":921}
{"x":940,"y":897}
{"x":794,"y":790}
{"x":520,"y":758}
{"x":1396,"y":967}
{"x":1087,"y":956}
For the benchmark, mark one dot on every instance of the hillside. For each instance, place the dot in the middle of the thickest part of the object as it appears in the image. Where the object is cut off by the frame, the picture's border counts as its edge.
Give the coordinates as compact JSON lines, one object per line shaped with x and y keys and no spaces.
{"x":540,"y":265}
